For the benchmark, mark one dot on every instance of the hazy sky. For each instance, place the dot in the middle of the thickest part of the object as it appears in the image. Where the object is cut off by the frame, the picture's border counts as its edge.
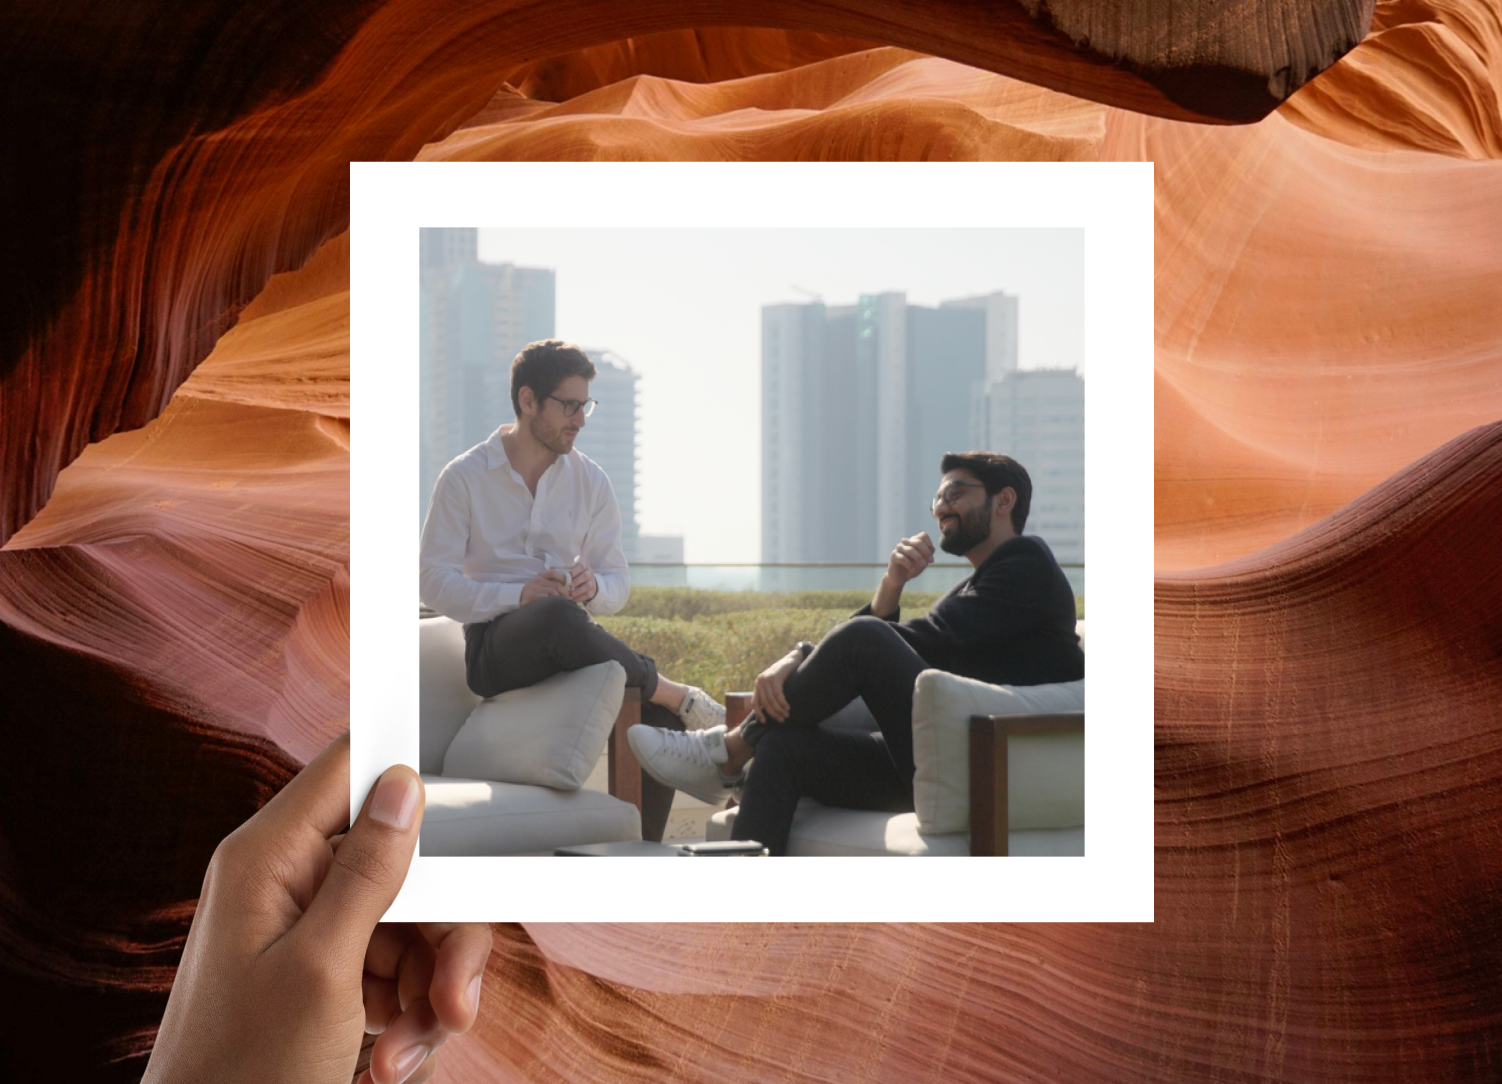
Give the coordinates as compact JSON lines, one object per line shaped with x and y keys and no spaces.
{"x":683,"y":307}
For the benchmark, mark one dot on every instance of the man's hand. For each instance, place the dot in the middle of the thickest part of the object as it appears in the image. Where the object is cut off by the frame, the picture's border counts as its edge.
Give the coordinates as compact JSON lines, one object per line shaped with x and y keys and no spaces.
{"x":767,"y":699}
{"x":285,"y":968}
{"x":909,"y":558}
{"x":585,"y":587}
{"x":546,"y":584}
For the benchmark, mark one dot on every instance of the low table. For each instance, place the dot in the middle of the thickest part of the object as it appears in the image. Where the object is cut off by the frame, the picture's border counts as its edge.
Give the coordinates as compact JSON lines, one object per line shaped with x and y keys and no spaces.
{"x":636,"y":848}
{"x":645,"y":849}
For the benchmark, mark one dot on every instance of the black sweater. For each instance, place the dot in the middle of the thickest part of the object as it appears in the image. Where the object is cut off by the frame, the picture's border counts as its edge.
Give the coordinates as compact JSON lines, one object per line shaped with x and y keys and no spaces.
{"x":1011,"y":622}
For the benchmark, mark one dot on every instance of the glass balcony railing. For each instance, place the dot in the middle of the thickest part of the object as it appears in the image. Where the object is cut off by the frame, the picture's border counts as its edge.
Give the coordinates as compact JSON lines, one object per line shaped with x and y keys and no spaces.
{"x":806,"y":577}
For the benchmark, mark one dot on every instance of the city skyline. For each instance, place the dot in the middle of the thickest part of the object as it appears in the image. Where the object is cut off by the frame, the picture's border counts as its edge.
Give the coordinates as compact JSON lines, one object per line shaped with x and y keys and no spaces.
{"x":683,"y":309}
{"x":934,"y":380}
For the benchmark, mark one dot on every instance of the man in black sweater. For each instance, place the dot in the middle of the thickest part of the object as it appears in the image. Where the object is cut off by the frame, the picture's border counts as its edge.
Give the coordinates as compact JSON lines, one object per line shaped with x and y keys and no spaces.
{"x":1011,"y":622}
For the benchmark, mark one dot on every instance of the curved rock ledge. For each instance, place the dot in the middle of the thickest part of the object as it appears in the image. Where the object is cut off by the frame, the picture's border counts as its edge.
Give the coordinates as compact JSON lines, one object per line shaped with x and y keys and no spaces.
{"x":176,"y":618}
{"x":141,"y":232}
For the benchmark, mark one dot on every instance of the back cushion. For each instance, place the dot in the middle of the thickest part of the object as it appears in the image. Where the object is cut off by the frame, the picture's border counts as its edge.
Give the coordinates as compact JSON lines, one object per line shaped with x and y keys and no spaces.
{"x":443,"y":699}
{"x":1045,"y":774}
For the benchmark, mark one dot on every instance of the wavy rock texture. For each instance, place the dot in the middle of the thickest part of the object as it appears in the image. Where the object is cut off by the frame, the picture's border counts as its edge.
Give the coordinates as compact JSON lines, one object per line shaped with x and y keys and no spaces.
{"x":134,"y":257}
{"x":174,"y":628}
{"x":1328,"y":338}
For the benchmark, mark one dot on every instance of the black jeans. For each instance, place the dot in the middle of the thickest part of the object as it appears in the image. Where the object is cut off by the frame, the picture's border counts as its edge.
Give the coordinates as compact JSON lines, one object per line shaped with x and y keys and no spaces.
{"x":866,"y":658}
{"x":548,"y":636}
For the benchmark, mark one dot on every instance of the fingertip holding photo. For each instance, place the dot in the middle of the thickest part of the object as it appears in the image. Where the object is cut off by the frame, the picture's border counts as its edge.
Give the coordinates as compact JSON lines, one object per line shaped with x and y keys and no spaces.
{"x":395,"y":798}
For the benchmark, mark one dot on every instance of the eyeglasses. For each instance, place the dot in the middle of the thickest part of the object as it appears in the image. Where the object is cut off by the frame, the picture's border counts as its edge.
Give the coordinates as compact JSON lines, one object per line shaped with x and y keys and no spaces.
{"x":571,"y":406}
{"x":950,"y":492}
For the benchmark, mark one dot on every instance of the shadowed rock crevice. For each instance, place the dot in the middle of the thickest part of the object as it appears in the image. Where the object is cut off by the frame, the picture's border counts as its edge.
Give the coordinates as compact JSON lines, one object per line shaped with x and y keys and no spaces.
{"x":221,"y":121}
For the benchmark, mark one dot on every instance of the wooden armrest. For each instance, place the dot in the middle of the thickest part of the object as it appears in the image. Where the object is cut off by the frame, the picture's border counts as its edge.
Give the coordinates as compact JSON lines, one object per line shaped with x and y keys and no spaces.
{"x":622,"y":769}
{"x":988,"y":770}
{"x":737,"y":707}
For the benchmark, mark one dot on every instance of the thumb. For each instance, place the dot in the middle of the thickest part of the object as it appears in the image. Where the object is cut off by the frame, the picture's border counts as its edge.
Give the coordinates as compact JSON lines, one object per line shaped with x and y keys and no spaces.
{"x":369,"y":867}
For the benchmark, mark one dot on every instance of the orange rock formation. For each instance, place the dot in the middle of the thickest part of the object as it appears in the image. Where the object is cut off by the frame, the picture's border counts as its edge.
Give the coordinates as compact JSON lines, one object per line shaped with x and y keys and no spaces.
{"x":1329,"y":746}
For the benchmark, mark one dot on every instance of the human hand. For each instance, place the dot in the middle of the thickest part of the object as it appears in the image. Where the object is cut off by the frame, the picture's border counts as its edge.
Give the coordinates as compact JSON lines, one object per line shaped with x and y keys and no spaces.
{"x":585,"y":586}
{"x":766,"y":697}
{"x":285,"y":942}
{"x":549,"y":582}
{"x":909,"y":558}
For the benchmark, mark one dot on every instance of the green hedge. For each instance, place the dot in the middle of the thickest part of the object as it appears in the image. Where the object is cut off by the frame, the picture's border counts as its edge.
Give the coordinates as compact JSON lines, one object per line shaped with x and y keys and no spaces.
{"x":720,"y":640}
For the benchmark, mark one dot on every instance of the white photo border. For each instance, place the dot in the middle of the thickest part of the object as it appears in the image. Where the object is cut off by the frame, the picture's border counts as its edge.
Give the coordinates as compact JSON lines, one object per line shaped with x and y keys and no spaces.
{"x":389,"y":202}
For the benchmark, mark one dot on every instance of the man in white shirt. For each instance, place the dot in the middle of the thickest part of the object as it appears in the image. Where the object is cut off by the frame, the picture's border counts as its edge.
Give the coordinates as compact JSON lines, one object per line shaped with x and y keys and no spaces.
{"x":522,"y":545}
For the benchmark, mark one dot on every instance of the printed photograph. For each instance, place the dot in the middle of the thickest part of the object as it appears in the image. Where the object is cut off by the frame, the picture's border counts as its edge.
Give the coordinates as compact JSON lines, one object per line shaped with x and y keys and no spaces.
{"x":752,"y":543}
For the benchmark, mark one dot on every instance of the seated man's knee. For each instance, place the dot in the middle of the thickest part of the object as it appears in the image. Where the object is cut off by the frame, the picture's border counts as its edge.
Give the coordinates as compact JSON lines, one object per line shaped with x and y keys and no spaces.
{"x":555,"y":610}
{"x":782,"y":746}
{"x":859,"y":630}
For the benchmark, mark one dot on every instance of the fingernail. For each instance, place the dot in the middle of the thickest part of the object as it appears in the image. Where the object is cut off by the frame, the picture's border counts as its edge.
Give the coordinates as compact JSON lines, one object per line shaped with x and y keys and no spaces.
{"x":474,"y":995}
{"x":407,"y":1062}
{"x":395,"y":800}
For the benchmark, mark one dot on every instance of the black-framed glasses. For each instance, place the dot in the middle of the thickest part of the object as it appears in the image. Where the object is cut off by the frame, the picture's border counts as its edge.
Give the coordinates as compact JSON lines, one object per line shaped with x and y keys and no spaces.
{"x":571,"y":406}
{"x":949,"y":492}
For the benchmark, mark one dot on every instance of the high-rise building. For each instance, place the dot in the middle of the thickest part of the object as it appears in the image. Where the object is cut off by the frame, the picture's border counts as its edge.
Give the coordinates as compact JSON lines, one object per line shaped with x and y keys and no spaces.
{"x":609,"y":437}
{"x":1037,"y":416}
{"x":448,"y":247}
{"x":473,"y":319}
{"x":1001,"y":330}
{"x":859,"y":404}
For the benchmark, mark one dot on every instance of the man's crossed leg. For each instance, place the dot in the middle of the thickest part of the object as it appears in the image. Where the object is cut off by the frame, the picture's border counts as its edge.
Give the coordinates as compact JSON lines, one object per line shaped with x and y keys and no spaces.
{"x":863,"y":657}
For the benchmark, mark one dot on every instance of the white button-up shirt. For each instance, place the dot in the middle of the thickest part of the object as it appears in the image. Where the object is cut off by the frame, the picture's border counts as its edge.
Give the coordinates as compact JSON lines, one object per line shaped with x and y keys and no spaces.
{"x":486,"y":536}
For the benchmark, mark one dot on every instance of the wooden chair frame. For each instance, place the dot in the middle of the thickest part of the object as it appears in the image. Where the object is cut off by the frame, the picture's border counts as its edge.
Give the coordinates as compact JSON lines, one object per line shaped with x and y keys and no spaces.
{"x":988,"y":771}
{"x":622,"y":769}
{"x":988,"y":764}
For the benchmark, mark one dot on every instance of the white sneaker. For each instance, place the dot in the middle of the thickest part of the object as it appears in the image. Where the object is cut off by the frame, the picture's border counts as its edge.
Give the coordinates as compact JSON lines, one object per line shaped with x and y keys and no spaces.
{"x":699,"y":710}
{"x":685,"y":760}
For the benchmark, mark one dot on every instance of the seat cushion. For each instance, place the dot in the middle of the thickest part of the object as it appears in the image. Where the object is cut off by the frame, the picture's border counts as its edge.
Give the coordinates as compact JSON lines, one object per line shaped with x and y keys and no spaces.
{"x":443,"y":698}
{"x":1045,"y":772}
{"x":482,"y":817}
{"x":825,"y":831}
{"x":549,"y":734}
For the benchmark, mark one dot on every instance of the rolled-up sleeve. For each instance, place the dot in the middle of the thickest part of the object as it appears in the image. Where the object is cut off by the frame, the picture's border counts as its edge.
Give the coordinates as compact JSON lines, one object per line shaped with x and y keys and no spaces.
{"x":442,"y":585}
{"x":602,"y":550}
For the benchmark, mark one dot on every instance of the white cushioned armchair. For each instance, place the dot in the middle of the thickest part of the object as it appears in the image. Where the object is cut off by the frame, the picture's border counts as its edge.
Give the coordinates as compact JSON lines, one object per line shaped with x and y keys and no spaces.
{"x":509,"y":779}
{"x":1000,"y":771}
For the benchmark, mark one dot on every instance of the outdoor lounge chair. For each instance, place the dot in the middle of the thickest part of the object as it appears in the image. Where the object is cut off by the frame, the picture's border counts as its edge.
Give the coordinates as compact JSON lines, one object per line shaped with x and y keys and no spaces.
{"x":1000,"y":771}
{"x":494,"y":814}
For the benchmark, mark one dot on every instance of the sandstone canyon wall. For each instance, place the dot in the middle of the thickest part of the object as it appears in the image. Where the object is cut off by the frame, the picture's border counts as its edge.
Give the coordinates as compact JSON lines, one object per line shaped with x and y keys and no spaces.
{"x":174,"y":593}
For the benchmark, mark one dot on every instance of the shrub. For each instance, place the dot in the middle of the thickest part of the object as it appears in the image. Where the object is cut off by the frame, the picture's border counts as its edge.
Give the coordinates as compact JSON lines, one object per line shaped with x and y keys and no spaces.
{"x":720,"y":640}
{"x":722,"y":652}
{"x":688,"y":603}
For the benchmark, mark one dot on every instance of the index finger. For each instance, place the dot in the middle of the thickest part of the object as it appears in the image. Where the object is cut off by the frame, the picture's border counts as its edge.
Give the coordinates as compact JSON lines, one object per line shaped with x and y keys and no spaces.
{"x":463,"y":949}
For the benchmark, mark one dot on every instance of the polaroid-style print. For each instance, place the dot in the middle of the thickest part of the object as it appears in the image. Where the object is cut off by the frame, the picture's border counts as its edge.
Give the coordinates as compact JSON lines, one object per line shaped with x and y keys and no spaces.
{"x":700,"y":426}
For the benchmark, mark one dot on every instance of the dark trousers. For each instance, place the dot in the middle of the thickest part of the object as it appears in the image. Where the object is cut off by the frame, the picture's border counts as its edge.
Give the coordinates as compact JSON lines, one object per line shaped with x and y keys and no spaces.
{"x":548,"y":636}
{"x":866,"y":658}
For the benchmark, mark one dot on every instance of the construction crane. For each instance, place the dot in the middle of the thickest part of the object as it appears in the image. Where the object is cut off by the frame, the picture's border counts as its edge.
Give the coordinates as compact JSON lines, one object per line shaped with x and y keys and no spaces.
{"x":812,"y":294}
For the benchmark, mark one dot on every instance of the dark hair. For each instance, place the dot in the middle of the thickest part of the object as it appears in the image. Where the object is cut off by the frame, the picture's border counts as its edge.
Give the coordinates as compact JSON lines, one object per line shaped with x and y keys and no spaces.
{"x":542,"y":366}
{"x":995,"y":472}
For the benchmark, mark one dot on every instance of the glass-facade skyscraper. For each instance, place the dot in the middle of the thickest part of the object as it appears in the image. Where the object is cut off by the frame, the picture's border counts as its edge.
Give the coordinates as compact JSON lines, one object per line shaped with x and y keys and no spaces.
{"x":860,"y":403}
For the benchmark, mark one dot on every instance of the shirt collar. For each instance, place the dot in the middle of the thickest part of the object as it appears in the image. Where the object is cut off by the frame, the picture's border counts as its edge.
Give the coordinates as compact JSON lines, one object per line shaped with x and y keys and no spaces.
{"x":495,"y":451}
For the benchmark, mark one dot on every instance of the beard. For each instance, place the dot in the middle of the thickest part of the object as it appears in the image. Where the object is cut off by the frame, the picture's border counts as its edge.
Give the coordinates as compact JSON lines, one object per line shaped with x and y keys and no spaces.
{"x":550,"y":438}
{"x":974,"y":527}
